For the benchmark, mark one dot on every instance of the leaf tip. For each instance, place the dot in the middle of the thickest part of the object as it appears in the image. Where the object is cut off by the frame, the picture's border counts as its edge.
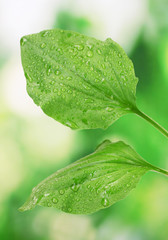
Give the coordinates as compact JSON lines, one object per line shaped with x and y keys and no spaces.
{"x":28,"y":205}
{"x":21,"y":209}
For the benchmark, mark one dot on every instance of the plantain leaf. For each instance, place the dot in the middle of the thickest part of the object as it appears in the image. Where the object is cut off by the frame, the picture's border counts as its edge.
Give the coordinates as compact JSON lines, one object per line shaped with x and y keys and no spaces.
{"x":78,"y":80}
{"x":94,"y":182}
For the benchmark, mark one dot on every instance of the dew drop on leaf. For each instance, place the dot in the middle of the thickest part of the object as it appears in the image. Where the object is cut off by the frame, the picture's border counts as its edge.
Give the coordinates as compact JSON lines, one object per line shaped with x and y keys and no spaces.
{"x":79,"y":47}
{"x":69,"y":210}
{"x":28,"y":77}
{"x":61,"y":191}
{"x":71,"y":124}
{"x":103,"y":66}
{"x":57,"y":72}
{"x":23,"y":41}
{"x":105,"y":202}
{"x":75,"y":187}
{"x":90,"y":54}
{"x":45,"y":33}
{"x":109,"y":109}
{"x":55,"y":200}
{"x":43,"y":45}
{"x":98,"y":51}
{"x":48,"y":71}
{"x":46,"y":194}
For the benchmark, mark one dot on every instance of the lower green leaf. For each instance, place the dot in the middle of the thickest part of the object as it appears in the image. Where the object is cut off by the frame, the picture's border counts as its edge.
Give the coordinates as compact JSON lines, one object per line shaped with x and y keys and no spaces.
{"x":92,"y":183}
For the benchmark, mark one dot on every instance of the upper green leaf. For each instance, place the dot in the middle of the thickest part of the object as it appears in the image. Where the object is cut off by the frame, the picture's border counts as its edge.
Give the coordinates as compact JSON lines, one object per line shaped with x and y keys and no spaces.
{"x":78,"y":80}
{"x":93,"y":182}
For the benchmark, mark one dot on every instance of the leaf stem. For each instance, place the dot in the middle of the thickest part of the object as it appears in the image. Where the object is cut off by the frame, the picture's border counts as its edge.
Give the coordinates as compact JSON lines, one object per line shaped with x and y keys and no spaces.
{"x":151,"y":121}
{"x":160,"y":170}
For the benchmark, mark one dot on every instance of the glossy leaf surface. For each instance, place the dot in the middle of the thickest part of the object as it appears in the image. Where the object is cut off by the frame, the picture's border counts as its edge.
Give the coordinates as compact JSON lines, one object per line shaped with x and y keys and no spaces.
{"x":94,"y":182}
{"x":78,"y":80}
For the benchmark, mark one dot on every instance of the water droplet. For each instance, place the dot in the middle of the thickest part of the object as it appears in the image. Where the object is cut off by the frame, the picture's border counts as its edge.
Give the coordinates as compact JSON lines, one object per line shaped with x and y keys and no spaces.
{"x":28,"y":77}
{"x":79,"y":47}
{"x":61,"y":191}
{"x":43,"y":45}
{"x":105,"y":202}
{"x":109,"y":109}
{"x":23,"y":41}
{"x":92,"y":174}
{"x":88,"y":100}
{"x":99,"y":51}
{"x":69,"y":78}
{"x":57,"y":72}
{"x":103,"y":66}
{"x":55,"y":200}
{"x":60,"y":51}
{"x":69,"y":209}
{"x":90,"y":54}
{"x":46,"y":194}
{"x":71,"y":50}
{"x":63,"y":89}
{"x":49,"y":205}
{"x":86,"y":87}
{"x":88,"y":186}
{"x":107,"y":59}
{"x":122,"y":75}
{"x":48,"y":71}
{"x":71,"y":125}
{"x":69,"y":91}
{"x":75,"y":187}
{"x":119,"y":54}
{"x":45,"y":33}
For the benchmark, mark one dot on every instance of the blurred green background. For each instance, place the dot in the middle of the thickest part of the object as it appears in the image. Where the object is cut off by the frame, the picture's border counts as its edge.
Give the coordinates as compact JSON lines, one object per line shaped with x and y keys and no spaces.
{"x":33,"y":146}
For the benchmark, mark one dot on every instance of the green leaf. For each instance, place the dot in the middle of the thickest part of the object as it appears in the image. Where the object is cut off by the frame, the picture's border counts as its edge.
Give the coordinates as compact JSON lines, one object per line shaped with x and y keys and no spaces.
{"x":78,"y":80}
{"x":94,"y":182}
